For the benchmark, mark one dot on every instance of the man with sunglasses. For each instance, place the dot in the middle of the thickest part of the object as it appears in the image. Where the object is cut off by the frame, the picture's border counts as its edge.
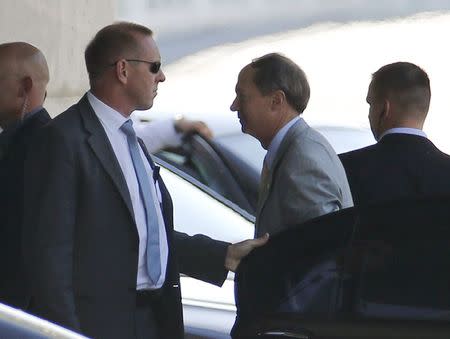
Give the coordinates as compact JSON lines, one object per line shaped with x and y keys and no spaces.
{"x":98,"y":231}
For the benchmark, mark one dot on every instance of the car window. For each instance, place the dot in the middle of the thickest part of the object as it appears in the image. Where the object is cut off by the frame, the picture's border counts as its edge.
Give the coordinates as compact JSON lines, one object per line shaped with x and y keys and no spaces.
{"x":199,"y":159}
{"x":200,"y":211}
{"x":246,"y":147}
{"x":405,"y":261}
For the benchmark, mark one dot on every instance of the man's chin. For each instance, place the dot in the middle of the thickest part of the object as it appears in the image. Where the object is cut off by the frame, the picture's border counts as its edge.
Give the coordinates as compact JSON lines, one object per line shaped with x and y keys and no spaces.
{"x":144,"y":107}
{"x":243,"y":128}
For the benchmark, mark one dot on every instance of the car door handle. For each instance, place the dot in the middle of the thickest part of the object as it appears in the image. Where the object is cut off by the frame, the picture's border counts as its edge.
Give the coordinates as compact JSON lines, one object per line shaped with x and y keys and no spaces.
{"x":286,"y":334}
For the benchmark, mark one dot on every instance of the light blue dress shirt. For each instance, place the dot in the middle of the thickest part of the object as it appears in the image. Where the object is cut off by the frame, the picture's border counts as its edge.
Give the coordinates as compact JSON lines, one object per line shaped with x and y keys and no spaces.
{"x":276,"y":142}
{"x":404,"y":130}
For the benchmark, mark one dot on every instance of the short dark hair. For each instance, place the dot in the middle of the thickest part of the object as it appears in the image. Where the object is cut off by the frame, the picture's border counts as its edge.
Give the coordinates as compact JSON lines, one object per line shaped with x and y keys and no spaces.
{"x":115,"y":41}
{"x":276,"y":72}
{"x":406,"y":83}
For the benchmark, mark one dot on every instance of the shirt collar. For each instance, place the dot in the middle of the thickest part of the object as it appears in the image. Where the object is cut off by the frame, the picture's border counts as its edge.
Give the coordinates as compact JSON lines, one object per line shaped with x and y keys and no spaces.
{"x":276,"y":142}
{"x":404,"y":130}
{"x":111,"y":118}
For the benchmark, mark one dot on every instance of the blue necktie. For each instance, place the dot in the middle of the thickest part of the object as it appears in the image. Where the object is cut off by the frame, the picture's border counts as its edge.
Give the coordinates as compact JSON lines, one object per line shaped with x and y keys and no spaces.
{"x":153,"y":251}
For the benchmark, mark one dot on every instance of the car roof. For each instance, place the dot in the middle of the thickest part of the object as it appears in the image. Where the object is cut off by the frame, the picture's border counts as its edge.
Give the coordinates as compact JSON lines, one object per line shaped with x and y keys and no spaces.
{"x":17,"y":323}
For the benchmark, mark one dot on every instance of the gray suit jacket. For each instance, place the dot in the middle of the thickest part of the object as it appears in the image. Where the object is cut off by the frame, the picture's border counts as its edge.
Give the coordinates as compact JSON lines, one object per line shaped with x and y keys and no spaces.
{"x":307,"y":180}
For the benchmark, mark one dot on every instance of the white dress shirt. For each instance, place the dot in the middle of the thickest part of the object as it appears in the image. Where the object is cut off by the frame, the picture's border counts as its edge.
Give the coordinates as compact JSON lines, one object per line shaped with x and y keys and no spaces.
{"x":404,"y":130}
{"x":112,"y":121}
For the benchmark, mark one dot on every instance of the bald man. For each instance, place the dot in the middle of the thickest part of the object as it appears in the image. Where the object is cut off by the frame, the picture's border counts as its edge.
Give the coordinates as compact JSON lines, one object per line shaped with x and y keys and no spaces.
{"x":23,"y":79}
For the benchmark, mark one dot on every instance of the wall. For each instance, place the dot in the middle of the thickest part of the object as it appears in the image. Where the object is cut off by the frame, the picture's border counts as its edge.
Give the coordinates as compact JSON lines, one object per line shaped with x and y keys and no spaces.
{"x":61,"y":29}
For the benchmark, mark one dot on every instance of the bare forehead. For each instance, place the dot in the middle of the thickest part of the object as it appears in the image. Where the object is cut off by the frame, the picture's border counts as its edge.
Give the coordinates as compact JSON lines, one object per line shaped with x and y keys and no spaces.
{"x":148,"y":47}
{"x":245,"y":78}
{"x":370,"y":91}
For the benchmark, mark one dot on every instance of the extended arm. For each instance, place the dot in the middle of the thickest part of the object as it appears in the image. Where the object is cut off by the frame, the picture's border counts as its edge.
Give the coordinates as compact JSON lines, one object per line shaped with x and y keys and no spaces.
{"x":209,"y":260}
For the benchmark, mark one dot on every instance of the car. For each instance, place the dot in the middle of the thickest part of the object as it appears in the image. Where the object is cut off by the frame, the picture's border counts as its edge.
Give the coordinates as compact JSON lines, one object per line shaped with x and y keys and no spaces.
{"x":214,"y":188}
{"x":379,"y":271}
{"x":15,"y":323}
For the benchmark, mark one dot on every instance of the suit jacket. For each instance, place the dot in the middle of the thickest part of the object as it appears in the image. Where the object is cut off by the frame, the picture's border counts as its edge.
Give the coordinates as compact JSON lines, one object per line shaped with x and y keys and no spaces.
{"x":81,"y":240}
{"x":399,"y":166}
{"x":306,"y":180}
{"x":14,"y":146}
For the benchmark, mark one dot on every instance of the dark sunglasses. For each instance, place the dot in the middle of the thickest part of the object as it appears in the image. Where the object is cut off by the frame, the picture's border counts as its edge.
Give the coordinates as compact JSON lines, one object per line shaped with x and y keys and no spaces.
{"x":154,"y":66}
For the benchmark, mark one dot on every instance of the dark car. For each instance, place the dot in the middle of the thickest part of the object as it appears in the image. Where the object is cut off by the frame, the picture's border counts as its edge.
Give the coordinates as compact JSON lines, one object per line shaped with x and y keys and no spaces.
{"x":379,"y":271}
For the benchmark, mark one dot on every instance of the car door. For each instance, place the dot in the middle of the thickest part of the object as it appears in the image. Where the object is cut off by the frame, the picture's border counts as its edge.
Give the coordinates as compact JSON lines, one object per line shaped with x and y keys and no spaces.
{"x":370,"y":272}
{"x":297,"y":285}
{"x":403,"y":289}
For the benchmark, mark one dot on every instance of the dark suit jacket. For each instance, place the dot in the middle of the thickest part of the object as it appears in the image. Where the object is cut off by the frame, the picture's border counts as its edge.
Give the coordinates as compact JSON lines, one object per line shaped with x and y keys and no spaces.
{"x":81,"y":241}
{"x":399,"y":166}
{"x":14,"y":145}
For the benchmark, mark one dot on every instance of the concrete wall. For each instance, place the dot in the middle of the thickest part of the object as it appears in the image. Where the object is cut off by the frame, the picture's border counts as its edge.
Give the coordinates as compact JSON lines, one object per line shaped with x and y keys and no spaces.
{"x":61,"y":29}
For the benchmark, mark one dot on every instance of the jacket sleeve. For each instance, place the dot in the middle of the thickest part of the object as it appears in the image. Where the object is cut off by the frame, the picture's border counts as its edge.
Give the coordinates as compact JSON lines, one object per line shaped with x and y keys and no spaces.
{"x":201,"y":257}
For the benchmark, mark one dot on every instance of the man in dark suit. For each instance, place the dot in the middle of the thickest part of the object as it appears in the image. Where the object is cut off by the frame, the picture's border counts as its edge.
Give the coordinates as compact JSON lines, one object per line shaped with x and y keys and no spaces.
{"x":98,"y":230}
{"x":23,"y":81}
{"x":404,"y":163}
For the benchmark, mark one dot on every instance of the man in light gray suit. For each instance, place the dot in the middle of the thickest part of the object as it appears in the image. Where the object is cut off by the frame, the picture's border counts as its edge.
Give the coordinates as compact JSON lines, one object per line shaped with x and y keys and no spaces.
{"x":302,"y":177}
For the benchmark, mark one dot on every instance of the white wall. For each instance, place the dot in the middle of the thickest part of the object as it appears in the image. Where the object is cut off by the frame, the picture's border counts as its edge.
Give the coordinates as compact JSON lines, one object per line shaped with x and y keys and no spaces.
{"x":61,"y":29}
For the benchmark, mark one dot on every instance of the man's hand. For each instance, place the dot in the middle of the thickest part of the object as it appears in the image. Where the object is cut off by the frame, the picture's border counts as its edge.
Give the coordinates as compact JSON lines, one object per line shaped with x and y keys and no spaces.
{"x":186,"y":126}
{"x":236,"y":252}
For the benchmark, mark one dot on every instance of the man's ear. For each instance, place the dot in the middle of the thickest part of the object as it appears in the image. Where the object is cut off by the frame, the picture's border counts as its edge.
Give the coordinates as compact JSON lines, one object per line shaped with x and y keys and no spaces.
{"x":121,"y":71}
{"x":386,"y":112}
{"x":278,"y":98}
{"x":26,"y":86}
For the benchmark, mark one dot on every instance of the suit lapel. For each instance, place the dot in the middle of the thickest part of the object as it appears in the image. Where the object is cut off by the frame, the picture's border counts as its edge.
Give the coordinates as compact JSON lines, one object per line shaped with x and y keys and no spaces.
{"x":99,"y":142}
{"x":266,"y":186}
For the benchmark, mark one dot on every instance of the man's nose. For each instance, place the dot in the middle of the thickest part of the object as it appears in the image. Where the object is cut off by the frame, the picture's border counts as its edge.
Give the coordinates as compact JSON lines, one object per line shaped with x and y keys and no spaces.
{"x":234,"y":106}
{"x":162,"y":77}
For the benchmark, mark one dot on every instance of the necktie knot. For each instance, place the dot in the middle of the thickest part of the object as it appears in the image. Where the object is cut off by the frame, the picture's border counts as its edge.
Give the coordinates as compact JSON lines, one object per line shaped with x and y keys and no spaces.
{"x":127,"y":128}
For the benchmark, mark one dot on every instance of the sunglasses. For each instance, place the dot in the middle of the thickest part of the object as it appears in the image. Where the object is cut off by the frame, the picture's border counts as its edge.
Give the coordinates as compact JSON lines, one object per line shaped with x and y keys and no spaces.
{"x":154,"y":66}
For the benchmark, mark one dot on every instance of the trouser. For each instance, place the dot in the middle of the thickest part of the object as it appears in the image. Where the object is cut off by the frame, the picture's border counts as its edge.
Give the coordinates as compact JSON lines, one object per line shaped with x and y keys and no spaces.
{"x":146,"y":321}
